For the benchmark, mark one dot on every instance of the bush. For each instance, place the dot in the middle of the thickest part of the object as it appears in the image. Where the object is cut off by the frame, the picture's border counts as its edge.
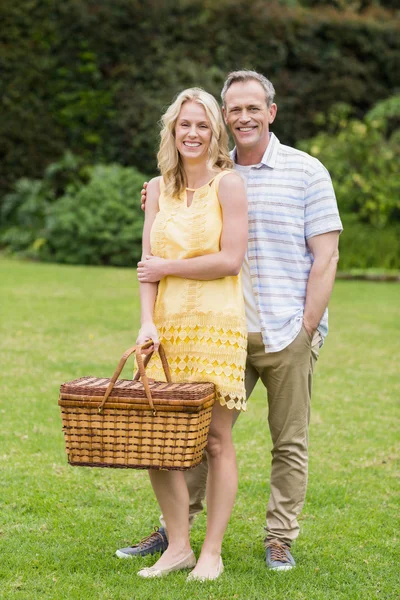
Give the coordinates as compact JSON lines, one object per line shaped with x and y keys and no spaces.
{"x":85,"y":215}
{"x":366,"y":247}
{"x":100,"y":223}
{"x":362,"y":158}
{"x":23,"y":212}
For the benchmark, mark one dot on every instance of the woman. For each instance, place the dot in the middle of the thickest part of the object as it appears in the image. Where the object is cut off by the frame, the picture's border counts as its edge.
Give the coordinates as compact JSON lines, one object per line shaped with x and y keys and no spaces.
{"x":194,"y":241}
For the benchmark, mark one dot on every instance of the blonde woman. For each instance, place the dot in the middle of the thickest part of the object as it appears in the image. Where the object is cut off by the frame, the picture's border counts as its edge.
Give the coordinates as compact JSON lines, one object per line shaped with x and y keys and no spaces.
{"x":194,"y":242}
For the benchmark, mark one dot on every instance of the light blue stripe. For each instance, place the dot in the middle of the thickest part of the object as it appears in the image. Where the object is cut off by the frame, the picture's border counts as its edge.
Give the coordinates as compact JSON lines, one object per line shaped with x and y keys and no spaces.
{"x":281,"y":233}
{"x":270,"y":194}
{"x":292,"y":218}
{"x":319,"y":209}
{"x":273,"y":264}
{"x":273,"y":252}
{"x":321,"y":193}
{"x":284,"y":288}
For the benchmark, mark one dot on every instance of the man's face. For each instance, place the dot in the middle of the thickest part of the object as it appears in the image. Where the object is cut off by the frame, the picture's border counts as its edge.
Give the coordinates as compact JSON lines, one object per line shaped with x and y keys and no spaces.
{"x":247,"y":115}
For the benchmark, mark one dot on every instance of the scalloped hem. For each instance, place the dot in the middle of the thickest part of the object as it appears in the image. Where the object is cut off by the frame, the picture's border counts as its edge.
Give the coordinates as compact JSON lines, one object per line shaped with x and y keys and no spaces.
{"x":233,"y":402}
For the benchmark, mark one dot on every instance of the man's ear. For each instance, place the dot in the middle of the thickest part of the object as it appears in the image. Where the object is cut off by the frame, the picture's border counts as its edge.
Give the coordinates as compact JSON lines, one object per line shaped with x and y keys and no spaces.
{"x":273,"y":109}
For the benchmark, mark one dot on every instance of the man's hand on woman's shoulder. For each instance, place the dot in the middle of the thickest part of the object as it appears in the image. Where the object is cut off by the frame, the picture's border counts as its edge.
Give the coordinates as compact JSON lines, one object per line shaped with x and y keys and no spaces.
{"x":143,"y":194}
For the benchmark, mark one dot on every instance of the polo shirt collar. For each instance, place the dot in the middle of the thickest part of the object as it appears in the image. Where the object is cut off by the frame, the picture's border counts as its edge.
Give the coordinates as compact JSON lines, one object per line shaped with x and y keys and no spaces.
{"x":270,"y":154}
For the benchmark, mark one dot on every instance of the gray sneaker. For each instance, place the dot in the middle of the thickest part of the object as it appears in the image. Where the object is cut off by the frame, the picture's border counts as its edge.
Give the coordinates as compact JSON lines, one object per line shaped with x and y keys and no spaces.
{"x":155,"y":542}
{"x":278,"y":556}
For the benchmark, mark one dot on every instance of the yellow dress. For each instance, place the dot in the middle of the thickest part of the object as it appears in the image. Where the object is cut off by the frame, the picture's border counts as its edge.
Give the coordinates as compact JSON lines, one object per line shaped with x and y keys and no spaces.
{"x":201,"y":324}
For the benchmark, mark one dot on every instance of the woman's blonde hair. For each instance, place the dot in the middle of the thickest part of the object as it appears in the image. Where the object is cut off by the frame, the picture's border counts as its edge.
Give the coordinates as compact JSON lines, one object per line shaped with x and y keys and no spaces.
{"x":169,"y":160}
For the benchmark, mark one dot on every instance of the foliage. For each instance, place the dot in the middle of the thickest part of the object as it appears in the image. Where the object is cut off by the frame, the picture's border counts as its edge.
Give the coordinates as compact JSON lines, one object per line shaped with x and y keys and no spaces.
{"x":23,"y":213}
{"x":25,"y":208}
{"x":366,"y":247}
{"x":363,"y":157}
{"x":353,"y":5}
{"x":99,"y":223}
{"x":94,"y":77}
{"x":76,"y":214}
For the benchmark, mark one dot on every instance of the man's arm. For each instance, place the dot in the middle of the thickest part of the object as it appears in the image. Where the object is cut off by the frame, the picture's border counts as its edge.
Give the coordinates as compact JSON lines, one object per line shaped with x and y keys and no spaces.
{"x":143,"y":195}
{"x":325,"y":251}
{"x":228,"y":260}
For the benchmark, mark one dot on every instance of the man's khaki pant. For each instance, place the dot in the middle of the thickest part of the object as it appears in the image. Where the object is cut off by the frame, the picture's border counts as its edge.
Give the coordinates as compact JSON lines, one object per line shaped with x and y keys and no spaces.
{"x":287,"y":376}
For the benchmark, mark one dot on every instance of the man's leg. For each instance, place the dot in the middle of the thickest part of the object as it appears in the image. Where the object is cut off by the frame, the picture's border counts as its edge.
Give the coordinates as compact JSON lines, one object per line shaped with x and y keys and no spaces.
{"x":287,"y":375}
{"x":251,"y":375}
{"x":196,"y":480}
{"x":288,"y":379}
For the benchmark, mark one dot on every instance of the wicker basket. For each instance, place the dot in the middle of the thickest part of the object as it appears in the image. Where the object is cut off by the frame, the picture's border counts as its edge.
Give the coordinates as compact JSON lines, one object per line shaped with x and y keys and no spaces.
{"x":136,"y":424}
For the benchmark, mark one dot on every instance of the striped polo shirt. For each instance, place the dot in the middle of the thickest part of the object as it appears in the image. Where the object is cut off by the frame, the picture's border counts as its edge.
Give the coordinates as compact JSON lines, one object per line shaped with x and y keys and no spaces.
{"x":291,"y":199}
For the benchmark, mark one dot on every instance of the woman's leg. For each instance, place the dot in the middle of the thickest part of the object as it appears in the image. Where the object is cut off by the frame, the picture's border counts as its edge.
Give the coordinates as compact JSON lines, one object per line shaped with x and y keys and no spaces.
{"x":221,"y":489}
{"x":172,"y":494}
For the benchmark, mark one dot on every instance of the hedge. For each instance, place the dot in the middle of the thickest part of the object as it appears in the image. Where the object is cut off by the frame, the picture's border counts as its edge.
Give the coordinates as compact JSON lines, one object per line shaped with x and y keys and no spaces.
{"x":94,"y":77}
{"x":363,"y":246}
{"x":76,"y":214}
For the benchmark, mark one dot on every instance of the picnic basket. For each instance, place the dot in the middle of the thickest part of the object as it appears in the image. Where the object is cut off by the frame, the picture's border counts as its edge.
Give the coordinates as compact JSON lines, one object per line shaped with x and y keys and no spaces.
{"x":136,"y":424}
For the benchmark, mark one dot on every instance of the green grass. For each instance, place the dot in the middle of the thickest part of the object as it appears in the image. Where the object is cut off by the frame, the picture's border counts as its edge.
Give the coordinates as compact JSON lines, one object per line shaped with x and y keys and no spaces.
{"x":60,"y":526}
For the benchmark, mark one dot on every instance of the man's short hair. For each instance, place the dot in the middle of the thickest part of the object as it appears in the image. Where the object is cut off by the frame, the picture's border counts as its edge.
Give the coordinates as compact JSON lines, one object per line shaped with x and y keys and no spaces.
{"x":246,"y":75}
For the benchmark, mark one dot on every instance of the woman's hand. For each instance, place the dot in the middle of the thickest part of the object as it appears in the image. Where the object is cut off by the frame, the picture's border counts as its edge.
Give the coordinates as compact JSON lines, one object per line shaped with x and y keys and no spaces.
{"x":148,"y":331}
{"x":152,"y":269}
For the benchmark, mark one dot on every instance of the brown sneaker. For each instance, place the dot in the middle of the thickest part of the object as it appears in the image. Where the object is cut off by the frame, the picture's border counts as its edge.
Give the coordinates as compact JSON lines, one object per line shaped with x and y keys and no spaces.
{"x":157,"y":541}
{"x":278,"y":556}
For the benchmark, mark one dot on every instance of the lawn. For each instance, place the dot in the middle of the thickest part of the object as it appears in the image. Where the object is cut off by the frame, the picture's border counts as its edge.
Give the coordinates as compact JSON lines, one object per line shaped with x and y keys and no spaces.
{"x":60,"y":525}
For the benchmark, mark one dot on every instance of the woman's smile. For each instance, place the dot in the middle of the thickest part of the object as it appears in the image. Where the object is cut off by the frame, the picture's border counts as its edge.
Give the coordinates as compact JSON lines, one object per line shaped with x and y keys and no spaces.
{"x":192,"y":131}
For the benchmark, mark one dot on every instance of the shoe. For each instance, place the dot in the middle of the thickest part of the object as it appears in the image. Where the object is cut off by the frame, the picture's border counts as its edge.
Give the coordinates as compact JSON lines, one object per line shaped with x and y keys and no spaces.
{"x":185,"y":563}
{"x":278,"y":556}
{"x":155,"y":542}
{"x":194,"y":577}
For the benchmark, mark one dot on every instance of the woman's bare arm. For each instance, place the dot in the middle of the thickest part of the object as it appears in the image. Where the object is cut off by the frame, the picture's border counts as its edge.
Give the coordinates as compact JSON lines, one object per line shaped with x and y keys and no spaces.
{"x":228,"y":260}
{"x":147,"y":290}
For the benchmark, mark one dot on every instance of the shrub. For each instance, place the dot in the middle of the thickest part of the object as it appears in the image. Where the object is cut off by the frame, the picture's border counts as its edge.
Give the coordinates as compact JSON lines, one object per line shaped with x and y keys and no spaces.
{"x":362,"y":157}
{"x":76,"y":214}
{"x":24,"y":209}
{"x":23,"y":213}
{"x":366,"y":247}
{"x":99,"y":223}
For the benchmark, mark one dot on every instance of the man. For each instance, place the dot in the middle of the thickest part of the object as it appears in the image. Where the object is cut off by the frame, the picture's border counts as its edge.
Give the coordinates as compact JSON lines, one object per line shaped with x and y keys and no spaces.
{"x":288,"y":276}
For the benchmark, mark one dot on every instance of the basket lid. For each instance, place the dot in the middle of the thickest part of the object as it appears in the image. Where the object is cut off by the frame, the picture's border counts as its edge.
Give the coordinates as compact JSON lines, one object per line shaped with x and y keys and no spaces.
{"x":127,"y":388}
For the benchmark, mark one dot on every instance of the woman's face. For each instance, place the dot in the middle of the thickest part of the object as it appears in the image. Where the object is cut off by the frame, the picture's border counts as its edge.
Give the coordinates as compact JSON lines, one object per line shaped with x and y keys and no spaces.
{"x":193,"y":132}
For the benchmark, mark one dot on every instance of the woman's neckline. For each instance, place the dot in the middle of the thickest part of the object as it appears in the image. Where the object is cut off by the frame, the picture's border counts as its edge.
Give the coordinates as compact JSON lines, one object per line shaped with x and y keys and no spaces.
{"x":188,"y":189}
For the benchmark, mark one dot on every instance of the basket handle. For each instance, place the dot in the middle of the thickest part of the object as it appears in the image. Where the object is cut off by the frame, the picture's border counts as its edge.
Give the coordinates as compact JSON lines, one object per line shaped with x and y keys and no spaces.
{"x":141,"y":372}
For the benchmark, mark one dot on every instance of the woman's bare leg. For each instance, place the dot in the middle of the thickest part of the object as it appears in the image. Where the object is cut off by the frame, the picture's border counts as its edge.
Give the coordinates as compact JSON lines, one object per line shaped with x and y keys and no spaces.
{"x":172,"y":494}
{"x":221,"y":489}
